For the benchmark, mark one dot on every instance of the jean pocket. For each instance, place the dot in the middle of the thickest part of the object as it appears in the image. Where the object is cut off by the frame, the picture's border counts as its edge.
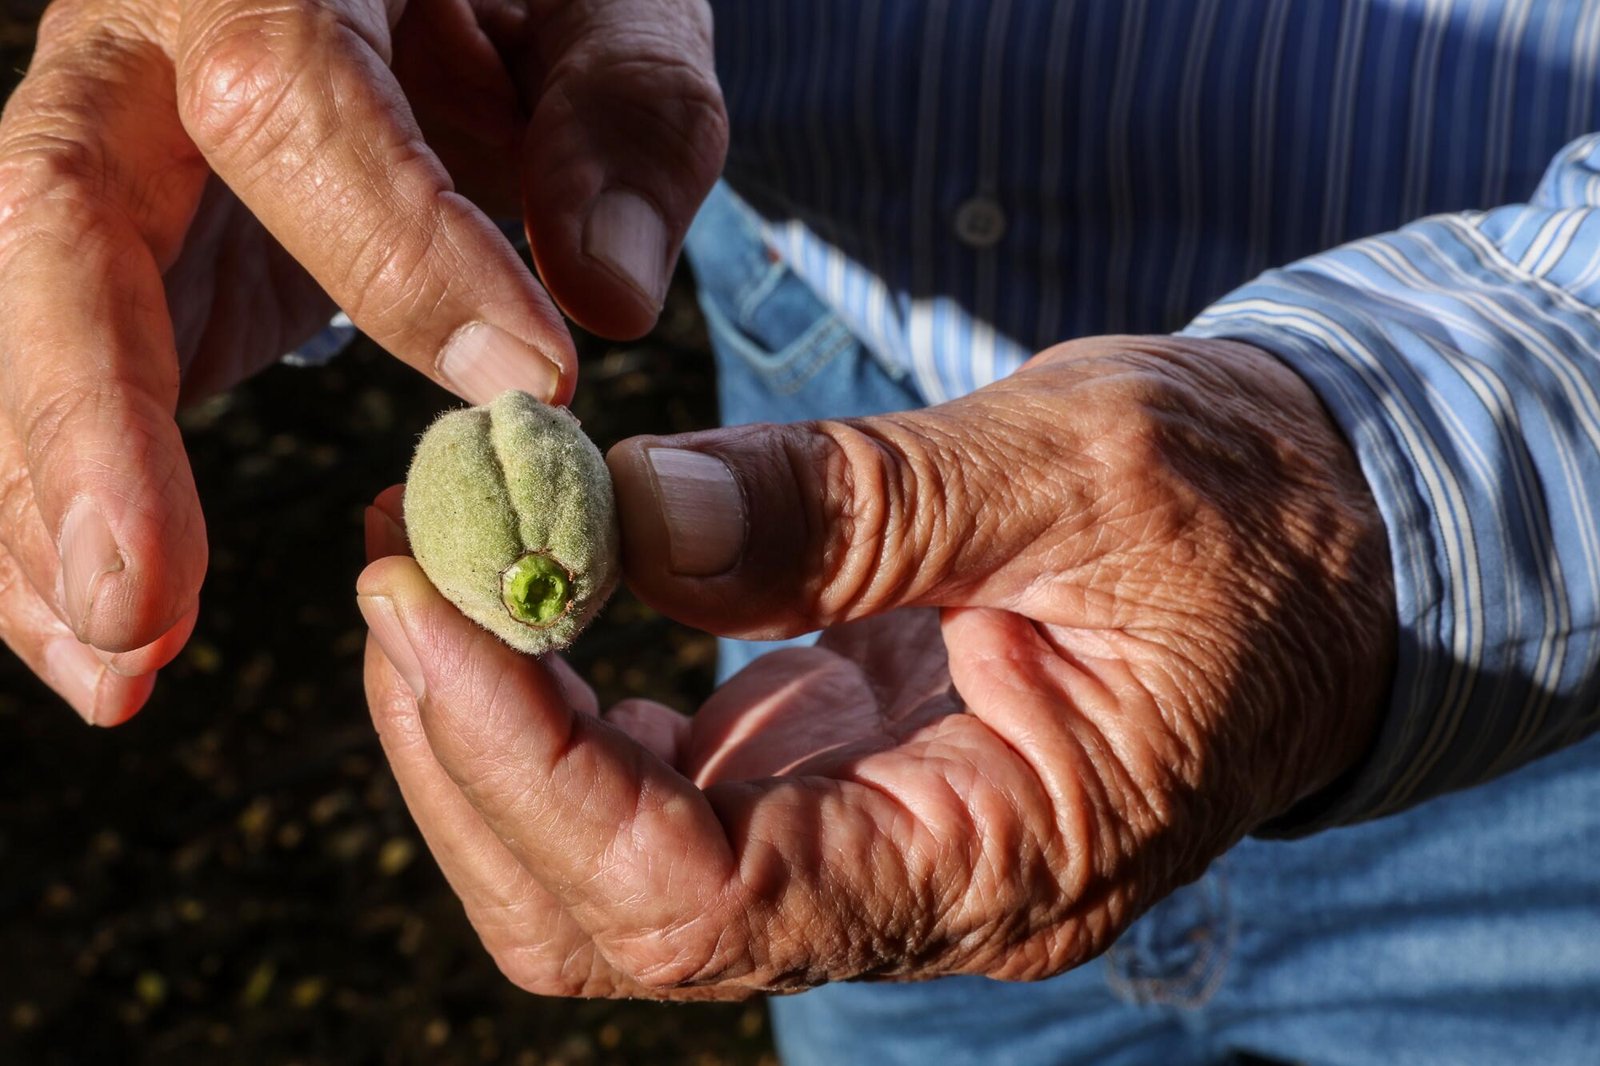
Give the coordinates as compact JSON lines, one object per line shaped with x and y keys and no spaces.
{"x":780,"y":331}
{"x":760,"y":313}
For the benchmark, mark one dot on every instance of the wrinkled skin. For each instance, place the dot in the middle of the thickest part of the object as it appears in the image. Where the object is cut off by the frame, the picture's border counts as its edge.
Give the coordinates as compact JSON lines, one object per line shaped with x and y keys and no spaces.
{"x":188,"y":189}
{"x":1083,"y":629}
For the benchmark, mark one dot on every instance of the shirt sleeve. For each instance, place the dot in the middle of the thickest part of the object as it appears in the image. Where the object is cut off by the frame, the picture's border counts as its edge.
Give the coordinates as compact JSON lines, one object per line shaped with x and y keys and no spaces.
{"x":1460,"y":356}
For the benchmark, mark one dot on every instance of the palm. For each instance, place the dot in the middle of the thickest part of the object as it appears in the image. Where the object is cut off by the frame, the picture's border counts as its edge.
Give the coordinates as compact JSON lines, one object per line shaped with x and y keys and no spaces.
{"x":869,"y":711}
{"x":853,"y":705}
{"x":866,"y":688}
{"x":808,"y":753}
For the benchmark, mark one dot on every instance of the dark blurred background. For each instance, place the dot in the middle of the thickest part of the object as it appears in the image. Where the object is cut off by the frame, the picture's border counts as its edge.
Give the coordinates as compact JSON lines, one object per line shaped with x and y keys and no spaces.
{"x":232,"y":877}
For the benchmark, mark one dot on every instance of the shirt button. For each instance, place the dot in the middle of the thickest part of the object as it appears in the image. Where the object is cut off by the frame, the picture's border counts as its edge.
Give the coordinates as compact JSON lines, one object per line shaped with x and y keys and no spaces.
{"x":980,"y":223}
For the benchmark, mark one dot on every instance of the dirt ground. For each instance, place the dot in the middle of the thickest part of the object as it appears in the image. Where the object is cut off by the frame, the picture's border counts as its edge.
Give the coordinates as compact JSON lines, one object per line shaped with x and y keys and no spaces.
{"x":232,"y":877}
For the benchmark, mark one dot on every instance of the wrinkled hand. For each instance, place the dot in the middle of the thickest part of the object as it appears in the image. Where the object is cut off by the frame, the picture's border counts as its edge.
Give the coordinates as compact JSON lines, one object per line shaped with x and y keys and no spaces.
{"x":1166,"y":616}
{"x":187,"y":189}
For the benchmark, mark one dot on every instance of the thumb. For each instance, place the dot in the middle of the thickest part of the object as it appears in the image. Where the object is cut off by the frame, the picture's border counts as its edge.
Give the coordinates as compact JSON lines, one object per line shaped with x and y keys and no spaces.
{"x":626,"y":139}
{"x":772,"y":530}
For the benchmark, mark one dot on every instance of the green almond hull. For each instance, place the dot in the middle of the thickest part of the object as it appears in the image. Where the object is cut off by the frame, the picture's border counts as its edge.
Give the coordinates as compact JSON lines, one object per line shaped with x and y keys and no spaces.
{"x":490,"y":485}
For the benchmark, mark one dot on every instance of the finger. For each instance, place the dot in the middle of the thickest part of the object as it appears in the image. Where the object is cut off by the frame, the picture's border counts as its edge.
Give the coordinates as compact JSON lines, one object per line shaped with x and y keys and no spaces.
{"x":626,"y":139}
{"x":293,"y":106}
{"x":384,"y":536}
{"x":97,"y":507}
{"x":69,"y":665}
{"x":658,"y":729}
{"x":523,"y":927}
{"x":796,"y":709}
{"x":770,"y":531}
{"x":574,"y":689}
{"x":391,"y":501}
{"x":784,"y":710}
{"x":532,"y":938}
{"x":29,"y":627}
{"x":1067,"y":716}
{"x":583,"y":807}
{"x":476,"y":124}
{"x":156,"y":654}
{"x":88,"y":372}
{"x":385,"y":524}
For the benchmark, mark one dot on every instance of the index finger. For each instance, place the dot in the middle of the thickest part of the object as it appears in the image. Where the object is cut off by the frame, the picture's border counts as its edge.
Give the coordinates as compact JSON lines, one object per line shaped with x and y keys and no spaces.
{"x":294,"y":107}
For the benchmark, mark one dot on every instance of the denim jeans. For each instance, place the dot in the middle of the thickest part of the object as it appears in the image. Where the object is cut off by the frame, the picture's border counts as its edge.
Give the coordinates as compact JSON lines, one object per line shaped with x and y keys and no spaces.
{"x":1465,"y":931}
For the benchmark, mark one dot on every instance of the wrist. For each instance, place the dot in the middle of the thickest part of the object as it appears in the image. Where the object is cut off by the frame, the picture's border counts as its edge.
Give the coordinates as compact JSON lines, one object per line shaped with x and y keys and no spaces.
{"x":1336,"y":654}
{"x":1288,"y":611}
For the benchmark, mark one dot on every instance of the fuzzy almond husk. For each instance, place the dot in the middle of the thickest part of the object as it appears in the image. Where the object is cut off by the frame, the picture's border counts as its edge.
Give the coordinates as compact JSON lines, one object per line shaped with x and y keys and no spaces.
{"x":511,"y":489}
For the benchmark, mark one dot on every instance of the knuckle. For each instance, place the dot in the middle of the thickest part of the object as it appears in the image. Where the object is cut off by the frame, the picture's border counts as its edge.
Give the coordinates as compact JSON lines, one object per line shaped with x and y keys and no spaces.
{"x":687,"y":105}
{"x":60,"y":19}
{"x":654,"y":97}
{"x":16,"y":502}
{"x":66,"y":24}
{"x":541,"y":969}
{"x":706,"y":116}
{"x":387,"y":280}
{"x":889,"y":511}
{"x":46,"y":184}
{"x":237,"y":82}
{"x":856,"y":527}
{"x":676,"y":959}
{"x":50,"y":423}
{"x":40,"y":159}
{"x":65,"y":169}
{"x":1136,"y":435}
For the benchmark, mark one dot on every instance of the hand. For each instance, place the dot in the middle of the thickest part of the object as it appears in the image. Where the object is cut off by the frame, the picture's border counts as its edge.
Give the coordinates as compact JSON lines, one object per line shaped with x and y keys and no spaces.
{"x":187,"y":189}
{"x":1166,"y":617}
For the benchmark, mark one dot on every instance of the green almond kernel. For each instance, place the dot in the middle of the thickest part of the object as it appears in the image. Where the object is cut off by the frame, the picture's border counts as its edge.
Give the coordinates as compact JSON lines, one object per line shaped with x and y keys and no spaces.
{"x":510,"y":513}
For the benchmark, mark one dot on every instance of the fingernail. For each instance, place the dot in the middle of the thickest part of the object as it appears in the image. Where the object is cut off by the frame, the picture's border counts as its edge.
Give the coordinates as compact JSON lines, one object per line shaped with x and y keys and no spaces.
{"x":75,"y":671}
{"x":384,"y":538}
{"x":145,"y":661}
{"x":384,"y":622}
{"x":628,"y":235}
{"x":88,"y":553}
{"x":130,"y":664}
{"x":481,"y":361}
{"x":112,"y":661}
{"x":703,"y":510}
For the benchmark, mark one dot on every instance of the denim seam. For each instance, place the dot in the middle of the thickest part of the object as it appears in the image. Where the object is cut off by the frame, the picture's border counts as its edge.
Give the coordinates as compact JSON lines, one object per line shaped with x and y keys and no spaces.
{"x":789,"y":369}
{"x":809,"y":364}
{"x":1208,"y":969}
{"x":747,"y":301}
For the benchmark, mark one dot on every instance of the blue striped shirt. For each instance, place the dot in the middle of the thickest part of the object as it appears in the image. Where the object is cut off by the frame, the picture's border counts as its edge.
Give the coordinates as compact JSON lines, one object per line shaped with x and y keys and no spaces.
{"x":1400,"y":198}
